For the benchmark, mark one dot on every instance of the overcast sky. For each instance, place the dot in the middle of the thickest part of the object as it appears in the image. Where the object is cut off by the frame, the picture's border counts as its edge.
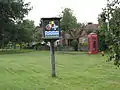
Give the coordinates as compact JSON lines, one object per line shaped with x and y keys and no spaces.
{"x":84,"y":10}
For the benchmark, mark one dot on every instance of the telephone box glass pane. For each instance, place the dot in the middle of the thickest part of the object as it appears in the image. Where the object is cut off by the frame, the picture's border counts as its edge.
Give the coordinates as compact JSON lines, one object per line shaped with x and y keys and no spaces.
{"x":94,"y":44}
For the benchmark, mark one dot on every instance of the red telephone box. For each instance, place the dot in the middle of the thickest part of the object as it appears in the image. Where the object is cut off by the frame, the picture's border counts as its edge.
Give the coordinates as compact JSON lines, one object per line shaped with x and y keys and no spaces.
{"x":92,"y":43}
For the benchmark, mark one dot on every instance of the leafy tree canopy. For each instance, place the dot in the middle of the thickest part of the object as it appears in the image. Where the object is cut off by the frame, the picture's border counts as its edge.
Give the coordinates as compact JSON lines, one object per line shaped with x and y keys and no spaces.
{"x":12,"y":13}
{"x":112,"y":37}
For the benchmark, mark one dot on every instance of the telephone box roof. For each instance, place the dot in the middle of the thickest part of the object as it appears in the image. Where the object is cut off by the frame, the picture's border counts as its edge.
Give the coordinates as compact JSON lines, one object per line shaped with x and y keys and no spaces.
{"x":92,"y":33}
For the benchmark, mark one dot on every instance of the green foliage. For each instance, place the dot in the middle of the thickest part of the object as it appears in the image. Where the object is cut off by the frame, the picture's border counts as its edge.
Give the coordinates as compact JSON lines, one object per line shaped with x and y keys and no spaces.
{"x":69,"y":25}
{"x":14,"y":51}
{"x":85,"y":44}
{"x":68,"y":21}
{"x":37,"y":34}
{"x":11,"y":12}
{"x":102,"y":33}
{"x":74,"y":43}
{"x":25,"y":31}
{"x":112,"y":37}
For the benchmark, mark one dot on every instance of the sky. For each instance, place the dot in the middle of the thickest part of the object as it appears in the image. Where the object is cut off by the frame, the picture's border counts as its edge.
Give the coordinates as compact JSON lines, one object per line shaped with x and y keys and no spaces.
{"x":84,"y":10}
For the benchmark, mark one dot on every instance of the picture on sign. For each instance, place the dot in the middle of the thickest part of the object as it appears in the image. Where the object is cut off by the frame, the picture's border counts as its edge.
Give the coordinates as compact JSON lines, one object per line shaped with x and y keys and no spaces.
{"x":51,"y":26}
{"x":51,"y":29}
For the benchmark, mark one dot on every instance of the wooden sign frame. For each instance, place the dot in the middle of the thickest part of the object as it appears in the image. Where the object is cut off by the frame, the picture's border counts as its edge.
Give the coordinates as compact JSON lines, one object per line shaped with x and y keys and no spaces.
{"x":51,"y":28}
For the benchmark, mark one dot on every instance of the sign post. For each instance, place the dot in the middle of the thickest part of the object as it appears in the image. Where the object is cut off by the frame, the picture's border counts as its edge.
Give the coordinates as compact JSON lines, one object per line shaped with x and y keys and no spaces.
{"x":52,"y":52}
{"x":51,"y":33}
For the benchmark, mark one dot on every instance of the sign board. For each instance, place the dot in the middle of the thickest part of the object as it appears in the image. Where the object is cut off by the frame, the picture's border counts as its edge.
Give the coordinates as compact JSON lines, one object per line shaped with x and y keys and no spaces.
{"x":51,"y":28}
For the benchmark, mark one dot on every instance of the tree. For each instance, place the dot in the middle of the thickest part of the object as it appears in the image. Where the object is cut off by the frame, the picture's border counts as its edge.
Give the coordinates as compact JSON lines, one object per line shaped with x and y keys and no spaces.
{"x":69,"y":25}
{"x":113,"y":35}
{"x":102,"y":32}
{"x":11,"y":12}
{"x":25,"y":31}
{"x":37,"y":34}
{"x":68,"y":21}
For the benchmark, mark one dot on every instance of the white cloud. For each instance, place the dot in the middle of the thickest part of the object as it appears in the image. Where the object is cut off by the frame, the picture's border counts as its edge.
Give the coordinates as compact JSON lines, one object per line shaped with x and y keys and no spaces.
{"x":84,"y":10}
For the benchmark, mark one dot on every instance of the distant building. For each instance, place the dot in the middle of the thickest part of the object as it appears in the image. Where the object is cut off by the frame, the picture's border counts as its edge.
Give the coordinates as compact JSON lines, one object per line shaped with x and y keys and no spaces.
{"x":89,"y":28}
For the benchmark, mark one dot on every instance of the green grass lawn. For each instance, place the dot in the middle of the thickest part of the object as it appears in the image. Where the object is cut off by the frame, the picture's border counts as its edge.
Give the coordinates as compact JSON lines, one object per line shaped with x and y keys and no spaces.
{"x":75,"y":71}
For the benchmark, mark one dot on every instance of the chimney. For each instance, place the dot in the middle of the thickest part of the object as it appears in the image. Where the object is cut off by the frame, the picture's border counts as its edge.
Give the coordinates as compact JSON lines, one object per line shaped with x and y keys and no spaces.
{"x":89,"y":23}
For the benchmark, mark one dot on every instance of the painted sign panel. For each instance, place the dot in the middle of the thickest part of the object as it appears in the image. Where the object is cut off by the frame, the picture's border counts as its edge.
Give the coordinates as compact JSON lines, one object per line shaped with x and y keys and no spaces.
{"x":51,"y":28}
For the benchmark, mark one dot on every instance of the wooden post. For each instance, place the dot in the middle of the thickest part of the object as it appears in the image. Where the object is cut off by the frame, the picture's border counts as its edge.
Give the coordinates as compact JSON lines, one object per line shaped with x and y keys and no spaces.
{"x":51,"y":34}
{"x":52,"y":52}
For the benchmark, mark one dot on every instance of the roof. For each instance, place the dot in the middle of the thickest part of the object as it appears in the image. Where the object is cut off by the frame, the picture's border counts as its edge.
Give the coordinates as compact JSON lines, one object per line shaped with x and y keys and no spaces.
{"x":68,"y":36}
{"x":51,"y":18}
{"x":92,"y":26}
{"x":83,"y":33}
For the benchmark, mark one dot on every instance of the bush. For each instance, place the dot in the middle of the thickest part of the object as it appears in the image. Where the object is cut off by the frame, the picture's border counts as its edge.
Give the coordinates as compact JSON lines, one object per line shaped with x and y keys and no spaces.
{"x":74,"y":44}
{"x":84,"y":46}
{"x":14,"y":51}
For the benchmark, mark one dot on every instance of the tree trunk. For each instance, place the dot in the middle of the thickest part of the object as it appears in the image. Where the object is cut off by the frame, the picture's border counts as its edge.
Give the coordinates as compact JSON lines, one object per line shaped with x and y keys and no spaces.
{"x":75,"y":44}
{"x":76,"y":47}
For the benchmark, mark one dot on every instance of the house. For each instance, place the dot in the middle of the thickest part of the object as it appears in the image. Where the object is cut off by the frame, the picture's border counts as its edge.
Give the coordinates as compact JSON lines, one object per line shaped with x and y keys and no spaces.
{"x":89,"y":28}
